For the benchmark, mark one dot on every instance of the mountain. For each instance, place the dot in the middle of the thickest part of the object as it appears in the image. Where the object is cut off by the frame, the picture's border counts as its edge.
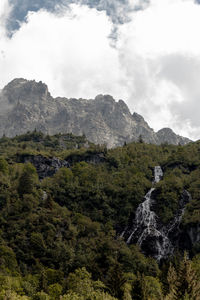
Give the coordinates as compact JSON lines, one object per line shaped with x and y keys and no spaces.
{"x":28,"y":105}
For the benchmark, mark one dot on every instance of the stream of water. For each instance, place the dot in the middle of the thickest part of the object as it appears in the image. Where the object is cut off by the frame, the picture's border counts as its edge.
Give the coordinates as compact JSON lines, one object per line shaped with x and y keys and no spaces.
{"x":146,"y":231}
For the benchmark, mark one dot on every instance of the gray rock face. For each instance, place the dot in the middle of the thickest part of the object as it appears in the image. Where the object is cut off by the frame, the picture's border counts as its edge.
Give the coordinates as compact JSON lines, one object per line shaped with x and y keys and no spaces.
{"x":46,"y":167}
{"x":27,"y":105}
{"x":166,"y":135}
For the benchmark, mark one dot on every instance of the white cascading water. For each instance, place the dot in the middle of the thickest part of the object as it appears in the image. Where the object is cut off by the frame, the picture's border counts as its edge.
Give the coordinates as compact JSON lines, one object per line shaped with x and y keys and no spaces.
{"x":158,"y":174}
{"x":145,"y":224}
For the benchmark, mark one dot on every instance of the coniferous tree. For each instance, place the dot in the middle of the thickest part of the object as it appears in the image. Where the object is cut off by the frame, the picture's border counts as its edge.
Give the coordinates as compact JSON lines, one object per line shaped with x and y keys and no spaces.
{"x":183,"y":282}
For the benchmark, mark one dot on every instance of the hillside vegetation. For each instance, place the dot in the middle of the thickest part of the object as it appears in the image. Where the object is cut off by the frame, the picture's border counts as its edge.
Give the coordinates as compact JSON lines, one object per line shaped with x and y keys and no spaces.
{"x":60,"y":236}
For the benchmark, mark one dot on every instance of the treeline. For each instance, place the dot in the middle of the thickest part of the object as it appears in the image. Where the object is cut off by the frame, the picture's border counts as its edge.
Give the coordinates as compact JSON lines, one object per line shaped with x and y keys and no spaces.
{"x":59,"y":237}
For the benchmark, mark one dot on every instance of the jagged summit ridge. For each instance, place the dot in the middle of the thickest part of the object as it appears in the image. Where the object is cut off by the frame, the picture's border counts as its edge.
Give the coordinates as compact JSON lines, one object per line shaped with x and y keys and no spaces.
{"x":27,"y":104}
{"x":23,"y":90}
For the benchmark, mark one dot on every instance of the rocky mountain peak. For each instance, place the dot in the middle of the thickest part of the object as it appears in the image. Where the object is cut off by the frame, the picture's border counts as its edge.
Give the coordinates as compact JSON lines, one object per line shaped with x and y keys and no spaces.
{"x":27,"y":104}
{"x":139,"y":119}
{"x":104,"y":98}
{"x":24,"y":90}
{"x":123,"y":107}
{"x":167,"y":135}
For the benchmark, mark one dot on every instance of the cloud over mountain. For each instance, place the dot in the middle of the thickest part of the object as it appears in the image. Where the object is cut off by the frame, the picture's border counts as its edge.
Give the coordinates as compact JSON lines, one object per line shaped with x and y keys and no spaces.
{"x":153,"y":63}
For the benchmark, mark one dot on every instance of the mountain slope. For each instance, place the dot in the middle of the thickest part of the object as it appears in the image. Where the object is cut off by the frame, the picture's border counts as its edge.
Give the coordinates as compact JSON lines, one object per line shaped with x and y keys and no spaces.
{"x":26,"y":105}
{"x":56,"y":228}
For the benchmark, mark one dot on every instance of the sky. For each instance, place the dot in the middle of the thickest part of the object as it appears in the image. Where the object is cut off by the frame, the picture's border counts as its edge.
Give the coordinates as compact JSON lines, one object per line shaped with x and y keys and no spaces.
{"x":144,"y":52}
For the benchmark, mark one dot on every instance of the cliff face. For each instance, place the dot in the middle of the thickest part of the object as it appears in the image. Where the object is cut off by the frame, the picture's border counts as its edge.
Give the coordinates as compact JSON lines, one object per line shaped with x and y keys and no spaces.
{"x":26,"y":105}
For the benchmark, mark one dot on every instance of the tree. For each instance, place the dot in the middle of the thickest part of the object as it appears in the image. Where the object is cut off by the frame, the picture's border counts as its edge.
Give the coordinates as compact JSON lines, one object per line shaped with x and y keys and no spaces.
{"x":3,"y":166}
{"x":41,"y":296}
{"x":27,"y":180}
{"x":116,"y":280}
{"x":151,"y":288}
{"x":184,"y":283}
{"x":7,"y":258}
{"x":81,"y":286}
{"x":55,"y":291}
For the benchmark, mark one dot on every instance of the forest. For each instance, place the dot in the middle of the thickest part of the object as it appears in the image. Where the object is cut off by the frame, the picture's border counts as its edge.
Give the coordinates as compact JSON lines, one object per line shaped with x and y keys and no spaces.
{"x":60,"y":234}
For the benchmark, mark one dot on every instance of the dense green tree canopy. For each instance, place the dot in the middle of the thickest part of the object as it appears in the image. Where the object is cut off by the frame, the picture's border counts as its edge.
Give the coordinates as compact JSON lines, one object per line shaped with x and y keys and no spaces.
{"x":59,"y":236}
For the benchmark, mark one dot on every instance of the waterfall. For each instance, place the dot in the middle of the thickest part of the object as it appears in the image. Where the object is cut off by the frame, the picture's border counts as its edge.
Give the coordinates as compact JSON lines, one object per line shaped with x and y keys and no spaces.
{"x":158,"y":174}
{"x":145,"y":230}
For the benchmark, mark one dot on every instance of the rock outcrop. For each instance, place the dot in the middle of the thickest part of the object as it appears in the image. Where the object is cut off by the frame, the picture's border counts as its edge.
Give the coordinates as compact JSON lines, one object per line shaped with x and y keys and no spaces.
{"x":45,"y":166}
{"x":27,"y":105}
{"x":48,"y":166}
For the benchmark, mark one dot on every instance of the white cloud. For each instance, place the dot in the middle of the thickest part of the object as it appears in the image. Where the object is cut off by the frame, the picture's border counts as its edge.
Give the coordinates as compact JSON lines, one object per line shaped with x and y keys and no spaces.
{"x":155,"y":65}
{"x":5,"y":9}
{"x":70,"y":52}
{"x":160,"y":53}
